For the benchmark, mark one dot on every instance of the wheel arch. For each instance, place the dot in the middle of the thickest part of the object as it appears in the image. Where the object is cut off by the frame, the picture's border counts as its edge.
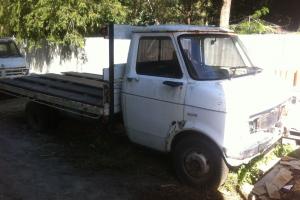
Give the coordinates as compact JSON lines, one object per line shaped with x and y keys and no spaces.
{"x":190,"y":139}
{"x":186,"y":133}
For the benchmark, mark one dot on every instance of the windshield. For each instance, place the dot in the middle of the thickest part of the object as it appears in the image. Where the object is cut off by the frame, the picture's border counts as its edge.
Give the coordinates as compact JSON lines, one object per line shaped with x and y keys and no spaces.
{"x":8,"y":49}
{"x":214,"y":57}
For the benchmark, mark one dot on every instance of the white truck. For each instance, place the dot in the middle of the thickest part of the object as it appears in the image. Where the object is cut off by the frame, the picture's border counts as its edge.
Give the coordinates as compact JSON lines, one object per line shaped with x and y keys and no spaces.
{"x":189,"y":91}
{"x":12,"y":62}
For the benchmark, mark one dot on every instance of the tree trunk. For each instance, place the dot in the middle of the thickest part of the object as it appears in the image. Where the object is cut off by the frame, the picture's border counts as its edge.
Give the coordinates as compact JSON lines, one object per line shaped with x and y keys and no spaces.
{"x":188,"y":20}
{"x":225,"y":13}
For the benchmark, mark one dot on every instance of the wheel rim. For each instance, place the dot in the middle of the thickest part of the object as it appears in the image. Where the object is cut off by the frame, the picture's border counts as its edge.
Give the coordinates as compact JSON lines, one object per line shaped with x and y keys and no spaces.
{"x":196,"y":165}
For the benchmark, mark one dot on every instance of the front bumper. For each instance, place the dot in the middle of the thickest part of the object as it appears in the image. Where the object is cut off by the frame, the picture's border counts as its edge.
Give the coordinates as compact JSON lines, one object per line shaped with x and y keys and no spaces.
{"x":266,"y":129}
{"x":244,"y":156}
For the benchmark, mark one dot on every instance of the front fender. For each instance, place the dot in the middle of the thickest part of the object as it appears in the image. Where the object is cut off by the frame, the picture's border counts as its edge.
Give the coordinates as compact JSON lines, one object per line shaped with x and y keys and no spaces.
{"x":200,"y":128}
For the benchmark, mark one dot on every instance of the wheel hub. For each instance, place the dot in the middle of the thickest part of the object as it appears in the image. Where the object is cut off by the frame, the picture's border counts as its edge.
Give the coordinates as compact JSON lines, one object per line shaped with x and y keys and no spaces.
{"x":196,"y":165}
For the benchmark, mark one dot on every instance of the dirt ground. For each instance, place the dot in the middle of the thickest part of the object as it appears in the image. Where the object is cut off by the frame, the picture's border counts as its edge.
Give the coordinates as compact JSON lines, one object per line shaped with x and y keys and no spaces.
{"x":79,"y":160}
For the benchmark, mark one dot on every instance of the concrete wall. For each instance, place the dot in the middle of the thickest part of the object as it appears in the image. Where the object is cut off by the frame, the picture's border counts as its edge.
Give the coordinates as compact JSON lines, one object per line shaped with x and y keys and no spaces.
{"x":273,"y":50}
{"x":270,"y":51}
{"x":277,"y":53}
{"x":92,"y":59}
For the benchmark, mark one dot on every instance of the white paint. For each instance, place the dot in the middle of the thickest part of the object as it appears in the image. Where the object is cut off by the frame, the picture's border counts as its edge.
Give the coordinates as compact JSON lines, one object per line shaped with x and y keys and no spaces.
{"x":149,"y":106}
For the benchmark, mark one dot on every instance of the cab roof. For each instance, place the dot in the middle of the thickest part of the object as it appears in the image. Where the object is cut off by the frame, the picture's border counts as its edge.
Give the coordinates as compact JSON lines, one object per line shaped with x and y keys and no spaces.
{"x":179,"y":28}
{"x":126,"y":31}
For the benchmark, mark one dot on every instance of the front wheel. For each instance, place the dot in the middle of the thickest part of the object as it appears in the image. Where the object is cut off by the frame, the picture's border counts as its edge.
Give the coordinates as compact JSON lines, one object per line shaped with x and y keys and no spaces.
{"x":199,"y":163}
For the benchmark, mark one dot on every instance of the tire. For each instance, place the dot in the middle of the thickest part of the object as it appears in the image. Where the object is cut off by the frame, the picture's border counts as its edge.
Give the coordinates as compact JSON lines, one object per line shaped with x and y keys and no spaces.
{"x":199,"y":163}
{"x":41,"y":118}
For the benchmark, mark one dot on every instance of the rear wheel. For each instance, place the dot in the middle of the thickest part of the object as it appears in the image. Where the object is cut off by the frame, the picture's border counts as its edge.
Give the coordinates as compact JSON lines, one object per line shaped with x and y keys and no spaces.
{"x":40,"y":117}
{"x":199,"y":163}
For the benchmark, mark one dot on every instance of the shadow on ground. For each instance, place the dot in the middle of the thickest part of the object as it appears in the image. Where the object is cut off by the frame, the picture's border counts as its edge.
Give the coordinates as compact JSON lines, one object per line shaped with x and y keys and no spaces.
{"x":81,"y":160}
{"x":88,"y":146}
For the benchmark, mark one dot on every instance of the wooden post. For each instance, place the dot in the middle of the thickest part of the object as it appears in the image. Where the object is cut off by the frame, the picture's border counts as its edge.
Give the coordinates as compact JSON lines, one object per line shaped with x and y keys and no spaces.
{"x":111,"y":73}
{"x":296,"y":78}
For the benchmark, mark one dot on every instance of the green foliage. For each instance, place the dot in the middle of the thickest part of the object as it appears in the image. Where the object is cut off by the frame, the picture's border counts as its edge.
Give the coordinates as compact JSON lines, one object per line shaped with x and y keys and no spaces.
{"x":171,"y":11}
{"x":66,"y":22}
{"x":231,"y":182}
{"x":260,"y":13}
{"x":250,"y":173}
{"x":62,"y":22}
{"x":254,"y":24}
{"x":283,"y":150}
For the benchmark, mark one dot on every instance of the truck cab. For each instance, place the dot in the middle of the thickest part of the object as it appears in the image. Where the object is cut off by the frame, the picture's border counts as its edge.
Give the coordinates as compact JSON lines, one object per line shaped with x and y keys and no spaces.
{"x":193,"y":92}
{"x":12,"y":62}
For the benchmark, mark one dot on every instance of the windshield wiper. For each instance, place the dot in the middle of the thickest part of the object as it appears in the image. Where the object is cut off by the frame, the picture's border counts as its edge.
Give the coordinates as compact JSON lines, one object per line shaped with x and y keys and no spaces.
{"x":257,"y":69}
{"x":254,"y":70}
{"x":250,"y":70}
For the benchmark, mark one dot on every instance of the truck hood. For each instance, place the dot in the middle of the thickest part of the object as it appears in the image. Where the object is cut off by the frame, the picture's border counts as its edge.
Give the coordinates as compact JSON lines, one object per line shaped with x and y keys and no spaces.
{"x":253,"y":94}
{"x":247,"y":95}
{"x":12,"y":62}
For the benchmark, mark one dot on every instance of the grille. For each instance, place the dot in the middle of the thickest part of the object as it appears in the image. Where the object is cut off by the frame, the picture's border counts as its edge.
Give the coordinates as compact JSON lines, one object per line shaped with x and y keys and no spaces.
{"x":13,"y":72}
{"x":266,"y":120}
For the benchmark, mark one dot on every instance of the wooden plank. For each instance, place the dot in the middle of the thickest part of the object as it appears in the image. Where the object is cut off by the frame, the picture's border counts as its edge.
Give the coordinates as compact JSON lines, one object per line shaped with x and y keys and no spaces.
{"x":76,"y":80}
{"x":292,"y":137}
{"x":55,"y":92}
{"x":80,"y":89}
{"x":57,"y":102}
{"x":96,"y":77}
{"x":294,"y":131}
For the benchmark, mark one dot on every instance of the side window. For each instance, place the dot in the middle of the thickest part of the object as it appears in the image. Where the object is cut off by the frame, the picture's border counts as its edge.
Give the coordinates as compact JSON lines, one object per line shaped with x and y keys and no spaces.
{"x":157,"y":57}
{"x":13,"y":49}
{"x":3,"y":49}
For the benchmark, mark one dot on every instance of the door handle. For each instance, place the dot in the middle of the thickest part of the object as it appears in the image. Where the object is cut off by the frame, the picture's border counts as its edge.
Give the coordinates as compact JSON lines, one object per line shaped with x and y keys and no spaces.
{"x":173,"y":83}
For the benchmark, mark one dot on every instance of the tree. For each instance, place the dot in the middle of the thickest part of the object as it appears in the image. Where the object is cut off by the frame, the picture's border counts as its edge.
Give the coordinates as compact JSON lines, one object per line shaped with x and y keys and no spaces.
{"x":171,"y":11}
{"x":66,"y":22}
{"x":225,"y":13}
{"x":62,"y":22}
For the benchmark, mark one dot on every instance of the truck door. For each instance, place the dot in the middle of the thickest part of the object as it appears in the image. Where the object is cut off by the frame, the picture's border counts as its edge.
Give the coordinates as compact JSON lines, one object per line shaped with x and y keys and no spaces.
{"x":153,"y":91}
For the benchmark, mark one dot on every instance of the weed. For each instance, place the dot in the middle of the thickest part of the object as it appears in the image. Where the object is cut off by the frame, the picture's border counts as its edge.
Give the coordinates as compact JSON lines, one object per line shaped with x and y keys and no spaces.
{"x":283,"y":150}
{"x":250,"y":173}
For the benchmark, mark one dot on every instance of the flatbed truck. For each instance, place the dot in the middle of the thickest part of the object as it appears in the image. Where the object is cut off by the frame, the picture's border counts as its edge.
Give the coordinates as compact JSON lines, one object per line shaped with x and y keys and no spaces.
{"x":189,"y":91}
